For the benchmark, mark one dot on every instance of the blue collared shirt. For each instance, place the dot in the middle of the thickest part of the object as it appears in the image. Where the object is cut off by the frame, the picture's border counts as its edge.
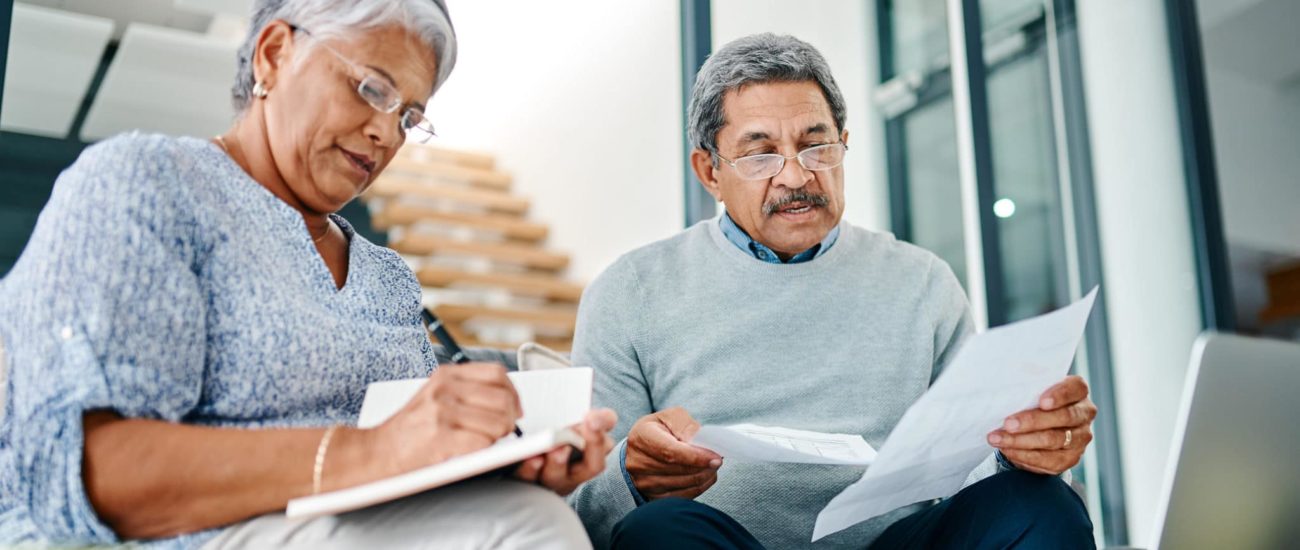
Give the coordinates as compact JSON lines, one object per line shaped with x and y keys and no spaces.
{"x":743,"y":241}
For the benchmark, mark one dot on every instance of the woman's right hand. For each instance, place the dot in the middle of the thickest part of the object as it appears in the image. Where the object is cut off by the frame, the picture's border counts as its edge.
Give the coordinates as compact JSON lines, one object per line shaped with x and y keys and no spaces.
{"x":461,"y":409}
{"x":149,"y":489}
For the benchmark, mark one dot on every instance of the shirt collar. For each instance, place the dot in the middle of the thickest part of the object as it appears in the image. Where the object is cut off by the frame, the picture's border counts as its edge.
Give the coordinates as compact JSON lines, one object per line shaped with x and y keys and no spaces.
{"x":742,"y":240}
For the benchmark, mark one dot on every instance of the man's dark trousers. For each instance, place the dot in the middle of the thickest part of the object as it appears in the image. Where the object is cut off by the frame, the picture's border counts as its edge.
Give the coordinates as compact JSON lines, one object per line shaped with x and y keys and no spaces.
{"x":1009,"y":510}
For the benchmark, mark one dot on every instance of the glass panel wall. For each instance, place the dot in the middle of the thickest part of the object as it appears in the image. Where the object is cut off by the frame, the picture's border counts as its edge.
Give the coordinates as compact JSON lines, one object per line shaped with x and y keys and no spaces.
{"x":921,"y":131}
{"x":934,"y":196}
{"x":1037,"y":229}
{"x":1028,"y":207}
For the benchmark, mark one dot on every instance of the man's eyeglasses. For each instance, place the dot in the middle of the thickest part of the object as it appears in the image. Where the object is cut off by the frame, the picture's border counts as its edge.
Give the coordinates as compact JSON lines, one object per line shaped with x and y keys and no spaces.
{"x":768,"y":165}
{"x":383,"y":97}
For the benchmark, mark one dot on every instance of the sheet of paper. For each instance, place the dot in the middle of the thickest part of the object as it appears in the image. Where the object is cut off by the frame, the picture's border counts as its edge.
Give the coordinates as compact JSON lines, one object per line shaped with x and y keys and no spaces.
{"x":551,"y":399}
{"x":750,"y":443}
{"x":943,"y":436}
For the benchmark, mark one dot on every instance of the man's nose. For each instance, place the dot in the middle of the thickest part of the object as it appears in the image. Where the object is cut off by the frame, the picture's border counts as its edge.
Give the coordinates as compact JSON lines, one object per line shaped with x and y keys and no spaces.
{"x":792,"y":175}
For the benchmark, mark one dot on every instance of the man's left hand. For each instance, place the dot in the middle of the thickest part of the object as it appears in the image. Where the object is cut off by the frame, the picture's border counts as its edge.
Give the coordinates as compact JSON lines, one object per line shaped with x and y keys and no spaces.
{"x":1050,"y":439}
{"x":554,"y":471}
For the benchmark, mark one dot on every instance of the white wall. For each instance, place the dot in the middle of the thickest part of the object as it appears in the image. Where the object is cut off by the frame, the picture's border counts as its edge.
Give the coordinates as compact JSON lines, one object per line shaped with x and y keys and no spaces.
{"x":581,"y":100}
{"x":1143,"y":218}
{"x":844,"y":31}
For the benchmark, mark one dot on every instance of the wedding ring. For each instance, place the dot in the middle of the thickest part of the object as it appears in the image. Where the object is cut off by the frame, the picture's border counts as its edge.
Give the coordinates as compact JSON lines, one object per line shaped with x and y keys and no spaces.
{"x":1069,"y":436}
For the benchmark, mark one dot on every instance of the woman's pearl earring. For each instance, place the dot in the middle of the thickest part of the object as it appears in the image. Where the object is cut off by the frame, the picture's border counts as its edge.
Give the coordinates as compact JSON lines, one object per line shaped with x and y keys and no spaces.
{"x":259,"y":90}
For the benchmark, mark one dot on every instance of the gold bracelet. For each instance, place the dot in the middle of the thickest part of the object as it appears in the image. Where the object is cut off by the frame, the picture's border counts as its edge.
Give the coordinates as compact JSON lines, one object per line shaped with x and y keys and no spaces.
{"x":320,"y":459}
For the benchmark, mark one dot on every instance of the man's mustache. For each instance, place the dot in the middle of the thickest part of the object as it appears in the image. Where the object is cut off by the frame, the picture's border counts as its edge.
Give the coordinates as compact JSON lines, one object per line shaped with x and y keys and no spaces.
{"x":813,"y":199}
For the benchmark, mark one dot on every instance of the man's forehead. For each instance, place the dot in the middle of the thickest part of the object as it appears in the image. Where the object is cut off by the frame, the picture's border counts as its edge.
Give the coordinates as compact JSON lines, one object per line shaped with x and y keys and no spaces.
{"x":778,"y":107}
{"x":788,"y":97}
{"x":757,"y":132}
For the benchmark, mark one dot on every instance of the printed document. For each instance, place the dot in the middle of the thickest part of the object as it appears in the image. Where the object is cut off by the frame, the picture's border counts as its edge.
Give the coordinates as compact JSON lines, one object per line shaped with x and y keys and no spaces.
{"x":750,"y":443}
{"x":943,"y":436}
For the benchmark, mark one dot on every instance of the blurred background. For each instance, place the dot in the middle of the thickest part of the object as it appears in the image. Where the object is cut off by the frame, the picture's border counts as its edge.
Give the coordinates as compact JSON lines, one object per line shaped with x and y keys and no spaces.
{"x":1041,"y":147}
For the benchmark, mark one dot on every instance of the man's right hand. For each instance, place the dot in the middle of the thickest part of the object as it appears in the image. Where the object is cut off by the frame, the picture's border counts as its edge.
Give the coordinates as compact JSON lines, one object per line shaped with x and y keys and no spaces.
{"x":660,"y":461}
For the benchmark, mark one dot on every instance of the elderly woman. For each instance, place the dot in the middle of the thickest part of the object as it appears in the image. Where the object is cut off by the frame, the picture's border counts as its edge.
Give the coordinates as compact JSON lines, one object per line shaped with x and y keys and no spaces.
{"x":191,"y":328}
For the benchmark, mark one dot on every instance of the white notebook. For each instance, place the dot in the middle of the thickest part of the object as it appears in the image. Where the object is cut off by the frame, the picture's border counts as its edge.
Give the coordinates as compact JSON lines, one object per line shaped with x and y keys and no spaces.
{"x":552,"y":400}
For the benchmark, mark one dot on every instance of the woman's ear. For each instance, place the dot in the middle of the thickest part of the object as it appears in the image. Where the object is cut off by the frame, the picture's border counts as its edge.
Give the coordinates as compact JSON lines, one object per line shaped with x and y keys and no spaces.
{"x":702,"y":163}
{"x":274,"y":49}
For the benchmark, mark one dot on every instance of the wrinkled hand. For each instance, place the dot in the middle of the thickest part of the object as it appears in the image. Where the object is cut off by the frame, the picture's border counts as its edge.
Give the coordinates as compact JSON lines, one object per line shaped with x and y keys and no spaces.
{"x":660,"y":461}
{"x":1035,"y":440}
{"x":553,"y":470}
{"x":461,"y":409}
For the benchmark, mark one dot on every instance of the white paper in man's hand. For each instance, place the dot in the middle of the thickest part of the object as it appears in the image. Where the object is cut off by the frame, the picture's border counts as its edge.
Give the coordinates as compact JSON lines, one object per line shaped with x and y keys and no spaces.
{"x":943,"y":436}
{"x":750,"y":443}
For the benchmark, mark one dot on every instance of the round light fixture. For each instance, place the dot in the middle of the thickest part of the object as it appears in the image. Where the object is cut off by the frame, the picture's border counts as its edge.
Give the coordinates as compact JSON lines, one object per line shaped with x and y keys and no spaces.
{"x":1004,"y":208}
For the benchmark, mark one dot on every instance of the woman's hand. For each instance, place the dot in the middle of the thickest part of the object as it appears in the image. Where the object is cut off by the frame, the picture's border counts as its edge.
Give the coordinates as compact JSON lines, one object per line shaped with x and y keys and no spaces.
{"x":461,"y":409}
{"x":553,"y":471}
{"x":151,"y":479}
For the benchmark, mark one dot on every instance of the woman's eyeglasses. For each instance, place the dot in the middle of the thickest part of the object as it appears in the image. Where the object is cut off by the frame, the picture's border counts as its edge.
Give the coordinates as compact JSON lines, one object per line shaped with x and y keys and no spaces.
{"x":383,"y":97}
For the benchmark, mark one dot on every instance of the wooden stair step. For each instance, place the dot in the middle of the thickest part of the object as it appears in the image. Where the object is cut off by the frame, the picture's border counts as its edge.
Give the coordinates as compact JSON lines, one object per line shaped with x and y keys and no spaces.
{"x":433,"y":153}
{"x":1276,"y":313}
{"x":562,"y":345}
{"x":526,"y":284}
{"x":421,"y":245}
{"x":397,"y":185}
{"x":397,"y":213}
{"x":554,"y":318}
{"x":468,"y":339}
{"x":1284,"y":284}
{"x":449,"y":172}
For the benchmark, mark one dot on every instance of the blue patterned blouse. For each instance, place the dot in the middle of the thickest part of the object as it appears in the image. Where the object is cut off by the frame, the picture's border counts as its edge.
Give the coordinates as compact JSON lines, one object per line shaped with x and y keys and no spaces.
{"x":163,"y":282}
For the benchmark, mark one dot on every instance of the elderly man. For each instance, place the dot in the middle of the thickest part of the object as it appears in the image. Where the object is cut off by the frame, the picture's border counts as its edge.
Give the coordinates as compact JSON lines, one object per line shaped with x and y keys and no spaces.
{"x":778,"y":313}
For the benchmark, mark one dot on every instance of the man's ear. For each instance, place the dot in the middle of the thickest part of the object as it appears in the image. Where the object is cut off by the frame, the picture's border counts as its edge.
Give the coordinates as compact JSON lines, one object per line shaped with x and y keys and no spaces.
{"x":844,"y":137}
{"x":702,"y":163}
{"x":274,"y":48}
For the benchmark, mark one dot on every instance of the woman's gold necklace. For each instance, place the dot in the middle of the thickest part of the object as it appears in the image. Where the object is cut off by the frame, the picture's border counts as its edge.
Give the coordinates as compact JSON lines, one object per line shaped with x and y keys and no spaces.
{"x":222,"y":142}
{"x":328,"y":223}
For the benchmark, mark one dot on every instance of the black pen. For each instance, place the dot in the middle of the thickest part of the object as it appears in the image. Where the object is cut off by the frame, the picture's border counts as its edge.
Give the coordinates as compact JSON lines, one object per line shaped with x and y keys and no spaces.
{"x":457,"y":355}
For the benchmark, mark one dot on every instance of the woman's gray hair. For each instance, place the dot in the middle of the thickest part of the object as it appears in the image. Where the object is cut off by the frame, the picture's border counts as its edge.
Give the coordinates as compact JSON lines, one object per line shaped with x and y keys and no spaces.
{"x":755,"y":59}
{"x":427,"y":19}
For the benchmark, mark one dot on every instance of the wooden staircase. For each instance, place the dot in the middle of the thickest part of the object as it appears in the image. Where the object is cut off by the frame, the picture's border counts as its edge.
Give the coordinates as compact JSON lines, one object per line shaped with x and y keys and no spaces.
{"x":483,"y":264}
{"x":1283,"y":295}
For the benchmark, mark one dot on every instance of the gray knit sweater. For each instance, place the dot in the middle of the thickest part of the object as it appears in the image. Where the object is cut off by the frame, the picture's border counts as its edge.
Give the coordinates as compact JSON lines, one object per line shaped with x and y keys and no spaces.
{"x":844,"y":343}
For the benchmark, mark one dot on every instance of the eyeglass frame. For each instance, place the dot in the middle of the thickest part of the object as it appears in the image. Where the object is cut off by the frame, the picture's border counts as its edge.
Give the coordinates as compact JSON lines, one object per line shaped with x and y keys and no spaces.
{"x":798,"y":156}
{"x":376,"y":81}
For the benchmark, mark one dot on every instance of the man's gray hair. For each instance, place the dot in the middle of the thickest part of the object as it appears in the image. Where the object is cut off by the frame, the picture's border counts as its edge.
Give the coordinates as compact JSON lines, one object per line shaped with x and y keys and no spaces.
{"x":755,"y":59}
{"x":427,"y":19}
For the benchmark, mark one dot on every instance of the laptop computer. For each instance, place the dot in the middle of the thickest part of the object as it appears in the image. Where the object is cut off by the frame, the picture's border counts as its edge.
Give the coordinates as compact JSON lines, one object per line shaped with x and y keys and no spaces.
{"x":1233,"y":479}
